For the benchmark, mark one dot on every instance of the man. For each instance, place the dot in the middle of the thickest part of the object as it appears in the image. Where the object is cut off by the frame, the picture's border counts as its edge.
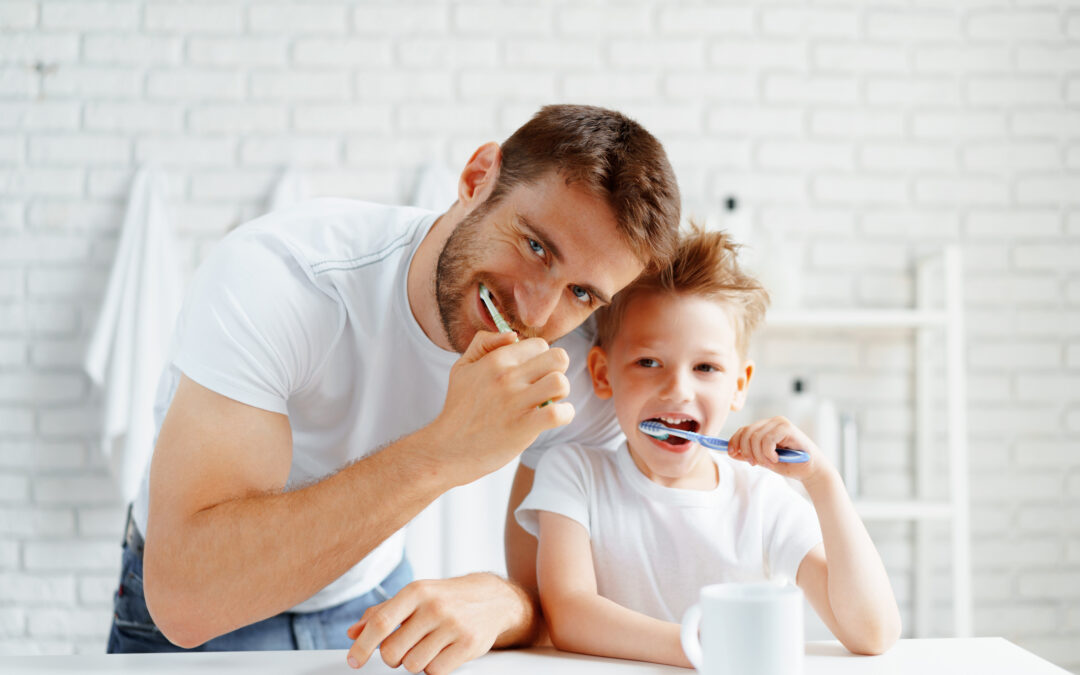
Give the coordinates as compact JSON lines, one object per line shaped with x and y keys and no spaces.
{"x":315,"y":401}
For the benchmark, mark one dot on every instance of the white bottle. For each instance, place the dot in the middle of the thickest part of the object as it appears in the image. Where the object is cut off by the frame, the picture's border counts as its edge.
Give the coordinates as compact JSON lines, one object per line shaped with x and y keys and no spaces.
{"x":818,"y":418}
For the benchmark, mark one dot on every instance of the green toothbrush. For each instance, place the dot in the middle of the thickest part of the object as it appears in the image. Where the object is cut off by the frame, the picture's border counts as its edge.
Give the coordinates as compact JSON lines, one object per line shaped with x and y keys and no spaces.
{"x":500,"y":322}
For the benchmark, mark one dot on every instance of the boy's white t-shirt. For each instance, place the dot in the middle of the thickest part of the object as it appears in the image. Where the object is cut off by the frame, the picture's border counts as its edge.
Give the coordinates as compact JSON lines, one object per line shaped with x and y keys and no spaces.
{"x":654,"y":547}
{"x":305,"y":312}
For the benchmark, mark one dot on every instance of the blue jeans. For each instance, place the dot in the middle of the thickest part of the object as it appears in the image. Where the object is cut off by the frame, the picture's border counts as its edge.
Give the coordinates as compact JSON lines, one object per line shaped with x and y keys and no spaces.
{"x":133,"y":629}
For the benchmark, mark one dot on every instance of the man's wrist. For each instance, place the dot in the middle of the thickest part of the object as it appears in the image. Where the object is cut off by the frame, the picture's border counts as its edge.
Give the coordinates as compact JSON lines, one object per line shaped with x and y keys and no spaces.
{"x":522,"y":612}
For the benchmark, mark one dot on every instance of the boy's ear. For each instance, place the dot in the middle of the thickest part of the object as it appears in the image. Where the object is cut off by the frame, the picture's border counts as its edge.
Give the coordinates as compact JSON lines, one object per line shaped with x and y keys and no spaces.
{"x":479,"y":175}
{"x":742,"y":386}
{"x":598,"y":368}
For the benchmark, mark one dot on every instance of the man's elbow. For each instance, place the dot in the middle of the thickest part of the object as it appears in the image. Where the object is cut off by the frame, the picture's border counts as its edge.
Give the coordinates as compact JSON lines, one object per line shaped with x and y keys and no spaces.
{"x":172,"y":614}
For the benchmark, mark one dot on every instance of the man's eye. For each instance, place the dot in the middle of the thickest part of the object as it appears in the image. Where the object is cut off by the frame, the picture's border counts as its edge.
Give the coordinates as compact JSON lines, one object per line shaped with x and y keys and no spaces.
{"x":581,"y":294}
{"x":647,"y":363}
{"x":536,"y":247}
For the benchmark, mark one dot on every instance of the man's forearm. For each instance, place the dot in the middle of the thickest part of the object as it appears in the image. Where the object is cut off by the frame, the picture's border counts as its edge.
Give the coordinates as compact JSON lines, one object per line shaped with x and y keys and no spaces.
{"x":247,"y":559}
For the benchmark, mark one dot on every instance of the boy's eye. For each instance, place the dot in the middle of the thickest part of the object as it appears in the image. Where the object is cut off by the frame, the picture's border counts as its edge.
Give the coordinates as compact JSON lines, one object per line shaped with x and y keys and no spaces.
{"x":647,"y":363}
{"x":582,"y":294}
{"x":536,"y":247}
{"x":706,"y":368}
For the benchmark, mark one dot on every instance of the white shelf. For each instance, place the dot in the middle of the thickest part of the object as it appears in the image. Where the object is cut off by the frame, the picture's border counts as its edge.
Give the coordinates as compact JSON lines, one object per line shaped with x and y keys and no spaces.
{"x":856,"y":318}
{"x":925,"y":320}
{"x":903,"y":510}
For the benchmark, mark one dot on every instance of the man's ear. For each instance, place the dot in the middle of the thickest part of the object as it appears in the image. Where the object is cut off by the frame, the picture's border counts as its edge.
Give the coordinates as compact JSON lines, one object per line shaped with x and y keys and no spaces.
{"x":479,"y":175}
{"x":742,"y":386}
{"x":598,"y":368}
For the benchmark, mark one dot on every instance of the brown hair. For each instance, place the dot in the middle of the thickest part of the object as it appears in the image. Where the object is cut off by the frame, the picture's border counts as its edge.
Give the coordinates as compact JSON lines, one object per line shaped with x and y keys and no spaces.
{"x":614,"y":157}
{"x":704,"y":265}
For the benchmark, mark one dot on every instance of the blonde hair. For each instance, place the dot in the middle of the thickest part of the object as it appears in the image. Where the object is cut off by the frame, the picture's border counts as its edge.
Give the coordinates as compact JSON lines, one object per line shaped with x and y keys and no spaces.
{"x":704,"y":265}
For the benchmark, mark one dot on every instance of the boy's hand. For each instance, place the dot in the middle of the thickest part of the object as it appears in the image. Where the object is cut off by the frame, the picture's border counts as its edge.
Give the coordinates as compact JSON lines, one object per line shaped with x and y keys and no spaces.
{"x":757,"y":443}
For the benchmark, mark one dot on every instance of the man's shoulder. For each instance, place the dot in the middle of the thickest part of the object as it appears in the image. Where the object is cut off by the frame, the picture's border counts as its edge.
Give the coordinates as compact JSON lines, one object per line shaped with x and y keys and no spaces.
{"x":578,"y":341}
{"x":328,"y":234}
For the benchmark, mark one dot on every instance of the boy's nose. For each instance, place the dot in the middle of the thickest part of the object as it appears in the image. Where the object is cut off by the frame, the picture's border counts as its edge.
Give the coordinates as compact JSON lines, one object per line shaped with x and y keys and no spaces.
{"x":676,"y":388}
{"x":535,"y":303}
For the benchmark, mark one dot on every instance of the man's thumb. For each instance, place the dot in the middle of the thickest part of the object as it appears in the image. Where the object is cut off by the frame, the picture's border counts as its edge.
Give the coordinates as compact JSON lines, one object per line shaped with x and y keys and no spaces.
{"x":485,"y":342}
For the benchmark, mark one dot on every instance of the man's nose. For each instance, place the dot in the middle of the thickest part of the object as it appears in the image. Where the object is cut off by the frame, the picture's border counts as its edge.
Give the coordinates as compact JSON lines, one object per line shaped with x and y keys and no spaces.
{"x":536,"y":303}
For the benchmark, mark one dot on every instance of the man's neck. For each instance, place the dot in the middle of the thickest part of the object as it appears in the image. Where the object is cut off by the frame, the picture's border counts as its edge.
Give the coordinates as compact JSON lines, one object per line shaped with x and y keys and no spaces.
{"x":420,"y":281}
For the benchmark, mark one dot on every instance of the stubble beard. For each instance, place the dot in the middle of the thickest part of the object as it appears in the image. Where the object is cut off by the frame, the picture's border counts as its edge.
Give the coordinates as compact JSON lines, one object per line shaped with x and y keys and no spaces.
{"x":453,"y":278}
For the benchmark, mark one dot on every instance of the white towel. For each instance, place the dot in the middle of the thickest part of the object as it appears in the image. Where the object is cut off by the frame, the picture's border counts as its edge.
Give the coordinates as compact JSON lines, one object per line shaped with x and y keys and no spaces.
{"x":291,"y":187}
{"x":128,"y":348}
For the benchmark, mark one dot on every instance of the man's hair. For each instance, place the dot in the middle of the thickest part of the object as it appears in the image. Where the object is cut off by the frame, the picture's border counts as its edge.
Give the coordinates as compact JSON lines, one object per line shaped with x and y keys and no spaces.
{"x":704,"y":265}
{"x":612,"y":157}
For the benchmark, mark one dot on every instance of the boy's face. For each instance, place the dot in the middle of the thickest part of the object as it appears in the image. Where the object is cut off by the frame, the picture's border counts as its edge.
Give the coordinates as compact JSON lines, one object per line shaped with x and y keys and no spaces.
{"x":674,"y":359}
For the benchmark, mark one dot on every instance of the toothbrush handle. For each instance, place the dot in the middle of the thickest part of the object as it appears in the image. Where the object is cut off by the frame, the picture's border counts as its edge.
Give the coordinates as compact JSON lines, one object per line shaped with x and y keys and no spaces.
{"x":711,"y":442}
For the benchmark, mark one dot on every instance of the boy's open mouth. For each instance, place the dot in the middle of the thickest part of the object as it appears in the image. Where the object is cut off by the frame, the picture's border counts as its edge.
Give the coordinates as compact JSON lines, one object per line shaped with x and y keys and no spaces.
{"x":684,"y":423}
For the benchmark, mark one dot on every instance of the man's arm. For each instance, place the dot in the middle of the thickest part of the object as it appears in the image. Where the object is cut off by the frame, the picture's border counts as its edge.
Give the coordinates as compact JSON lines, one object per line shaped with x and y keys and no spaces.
{"x":521,"y":550}
{"x":225,"y":547}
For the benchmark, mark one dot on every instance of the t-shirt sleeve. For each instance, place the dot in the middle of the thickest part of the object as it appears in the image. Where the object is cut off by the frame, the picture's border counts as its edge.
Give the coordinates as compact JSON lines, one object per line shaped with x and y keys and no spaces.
{"x":254,"y":327}
{"x":791,"y":528}
{"x":562,"y":485}
{"x":594,"y":424}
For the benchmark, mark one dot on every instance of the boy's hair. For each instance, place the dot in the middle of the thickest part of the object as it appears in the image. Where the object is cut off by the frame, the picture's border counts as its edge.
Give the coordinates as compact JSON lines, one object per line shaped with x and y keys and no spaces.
{"x":704,"y":265}
{"x":613,"y":157}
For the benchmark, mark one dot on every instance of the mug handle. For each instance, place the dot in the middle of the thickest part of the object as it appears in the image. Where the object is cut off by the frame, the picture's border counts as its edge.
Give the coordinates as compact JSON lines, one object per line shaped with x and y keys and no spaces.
{"x":688,"y":635}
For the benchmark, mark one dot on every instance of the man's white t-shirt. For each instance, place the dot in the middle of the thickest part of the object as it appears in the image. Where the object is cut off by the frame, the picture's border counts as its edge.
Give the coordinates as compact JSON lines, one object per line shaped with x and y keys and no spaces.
{"x":305,"y":312}
{"x":654,"y":547}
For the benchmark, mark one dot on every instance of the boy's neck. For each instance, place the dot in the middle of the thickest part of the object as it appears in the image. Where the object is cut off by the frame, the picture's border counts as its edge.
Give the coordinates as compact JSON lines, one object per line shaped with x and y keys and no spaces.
{"x":704,"y":475}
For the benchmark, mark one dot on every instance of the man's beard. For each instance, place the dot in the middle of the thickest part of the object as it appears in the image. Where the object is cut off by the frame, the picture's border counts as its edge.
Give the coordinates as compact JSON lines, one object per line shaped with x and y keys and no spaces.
{"x":453,"y":278}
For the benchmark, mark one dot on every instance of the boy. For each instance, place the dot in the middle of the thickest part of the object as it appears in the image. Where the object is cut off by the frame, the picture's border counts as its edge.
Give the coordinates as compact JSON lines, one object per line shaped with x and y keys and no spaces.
{"x":627,"y":539}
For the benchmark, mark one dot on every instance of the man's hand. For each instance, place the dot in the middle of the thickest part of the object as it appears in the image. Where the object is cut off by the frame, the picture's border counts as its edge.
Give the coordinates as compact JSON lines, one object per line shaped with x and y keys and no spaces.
{"x":492,"y":404}
{"x":437,"y":625}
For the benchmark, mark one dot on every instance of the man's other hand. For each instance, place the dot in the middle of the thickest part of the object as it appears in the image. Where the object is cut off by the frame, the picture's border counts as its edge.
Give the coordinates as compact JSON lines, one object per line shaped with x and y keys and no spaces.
{"x":437,"y":625}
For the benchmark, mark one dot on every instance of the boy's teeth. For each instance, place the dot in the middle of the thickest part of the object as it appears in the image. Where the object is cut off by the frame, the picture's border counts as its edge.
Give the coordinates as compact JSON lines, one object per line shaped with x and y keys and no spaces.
{"x":673,"y":420}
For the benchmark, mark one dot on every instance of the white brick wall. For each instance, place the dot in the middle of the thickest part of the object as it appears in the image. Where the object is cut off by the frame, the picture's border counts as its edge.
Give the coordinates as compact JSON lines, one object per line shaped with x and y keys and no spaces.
{"x":871,"y":134}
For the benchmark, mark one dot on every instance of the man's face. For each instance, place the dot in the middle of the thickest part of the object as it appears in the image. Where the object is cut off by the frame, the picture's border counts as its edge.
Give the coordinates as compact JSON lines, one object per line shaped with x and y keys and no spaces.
{"x":549,"y":253}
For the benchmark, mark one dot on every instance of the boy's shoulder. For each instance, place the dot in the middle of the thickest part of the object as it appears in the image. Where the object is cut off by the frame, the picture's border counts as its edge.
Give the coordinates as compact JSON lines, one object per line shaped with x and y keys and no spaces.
{"x":579,"y":458}
{"x":754,"y":482}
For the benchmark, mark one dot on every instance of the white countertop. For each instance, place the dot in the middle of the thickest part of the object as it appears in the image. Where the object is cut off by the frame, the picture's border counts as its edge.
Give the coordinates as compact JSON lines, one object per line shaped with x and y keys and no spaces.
{"x":978,"y":656}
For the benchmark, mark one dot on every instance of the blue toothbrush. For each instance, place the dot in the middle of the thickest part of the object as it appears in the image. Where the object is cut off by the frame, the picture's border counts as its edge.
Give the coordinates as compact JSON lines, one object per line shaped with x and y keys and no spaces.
{"x":660,"y":431}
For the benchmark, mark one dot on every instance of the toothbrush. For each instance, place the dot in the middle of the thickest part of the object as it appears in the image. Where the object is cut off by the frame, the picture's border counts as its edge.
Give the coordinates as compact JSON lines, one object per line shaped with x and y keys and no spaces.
{"x":500,"y":322}
{"x":660,"y":431}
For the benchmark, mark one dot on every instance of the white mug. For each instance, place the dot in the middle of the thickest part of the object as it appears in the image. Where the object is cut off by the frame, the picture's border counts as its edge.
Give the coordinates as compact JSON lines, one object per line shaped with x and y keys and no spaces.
{"x":746,"y":629}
